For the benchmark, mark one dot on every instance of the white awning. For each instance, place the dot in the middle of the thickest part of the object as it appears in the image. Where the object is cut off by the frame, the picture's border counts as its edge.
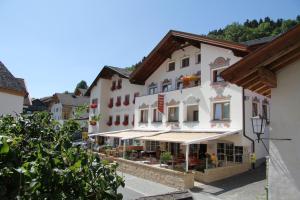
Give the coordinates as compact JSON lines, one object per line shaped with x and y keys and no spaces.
{"x":128,"y":134}
{"x":187,"y":137}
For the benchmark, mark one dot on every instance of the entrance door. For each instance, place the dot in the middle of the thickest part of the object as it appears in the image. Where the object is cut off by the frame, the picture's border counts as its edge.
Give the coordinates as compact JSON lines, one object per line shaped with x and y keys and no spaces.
{"x":202,"y":151}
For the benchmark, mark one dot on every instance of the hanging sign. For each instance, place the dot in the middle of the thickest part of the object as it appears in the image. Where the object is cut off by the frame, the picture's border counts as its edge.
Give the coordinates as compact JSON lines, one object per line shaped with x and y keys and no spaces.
{"x":160,"y":103}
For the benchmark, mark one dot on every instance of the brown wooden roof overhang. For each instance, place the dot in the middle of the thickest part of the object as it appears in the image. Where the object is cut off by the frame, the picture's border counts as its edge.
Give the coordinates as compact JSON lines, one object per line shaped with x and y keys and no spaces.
{"x":257,"y":71}
{"x":173,"y":41}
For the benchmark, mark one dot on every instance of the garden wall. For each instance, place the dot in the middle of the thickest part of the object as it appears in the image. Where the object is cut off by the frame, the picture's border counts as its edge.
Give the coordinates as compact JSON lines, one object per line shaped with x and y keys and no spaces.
{"x":215,"y":174}
{"x":175,"y":179}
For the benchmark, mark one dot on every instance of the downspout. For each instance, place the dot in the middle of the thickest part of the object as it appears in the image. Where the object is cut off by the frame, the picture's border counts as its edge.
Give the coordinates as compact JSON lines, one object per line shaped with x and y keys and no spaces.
{"x":244,"y":132}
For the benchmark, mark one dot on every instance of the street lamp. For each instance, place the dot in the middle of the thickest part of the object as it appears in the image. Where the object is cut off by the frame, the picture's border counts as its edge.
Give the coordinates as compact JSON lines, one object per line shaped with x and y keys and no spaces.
{"x":258,"y":125}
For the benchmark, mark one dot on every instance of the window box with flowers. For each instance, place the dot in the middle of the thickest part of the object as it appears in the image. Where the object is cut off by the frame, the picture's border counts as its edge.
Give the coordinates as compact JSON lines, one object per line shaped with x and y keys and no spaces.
{"x":93,"y":105}
{"x":126,"y":101}
{"x":117,"y":122}
{"x":94,"y":119}
{"x":186,"y":80}
{"x":111,"y":103}
{"x":119,"y":86}
{"x":118,"y":103}
{"x":126,"y":119}
{"x":113,"y":87}
{"x":110,"y":121}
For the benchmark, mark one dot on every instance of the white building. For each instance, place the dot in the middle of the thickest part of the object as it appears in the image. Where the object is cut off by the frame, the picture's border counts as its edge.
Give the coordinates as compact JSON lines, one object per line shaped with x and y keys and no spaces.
{"x":12,"y":92}
{"x":63,"y":107}
{"x":207,"y":105}
{"x":114,"y":97}
{"x":275,"y":70}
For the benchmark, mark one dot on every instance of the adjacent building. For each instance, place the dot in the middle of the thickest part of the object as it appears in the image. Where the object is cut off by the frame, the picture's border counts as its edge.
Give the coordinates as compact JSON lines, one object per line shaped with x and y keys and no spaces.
{"x":274,"y":71}
{"x":112,"y":97}
{"x":13,"y":93}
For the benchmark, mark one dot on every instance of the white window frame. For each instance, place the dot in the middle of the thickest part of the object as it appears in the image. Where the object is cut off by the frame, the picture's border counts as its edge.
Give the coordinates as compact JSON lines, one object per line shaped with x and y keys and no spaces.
{"x":213,"y":110}
{"x":177,"y":106}
{"x":168,"y":66}
{"x":213,"y":72}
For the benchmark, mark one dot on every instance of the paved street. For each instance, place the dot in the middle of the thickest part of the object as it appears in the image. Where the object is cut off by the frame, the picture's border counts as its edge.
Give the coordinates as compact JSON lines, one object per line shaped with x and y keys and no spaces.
{"x":247,"y":186}
{"x":137,"y":187}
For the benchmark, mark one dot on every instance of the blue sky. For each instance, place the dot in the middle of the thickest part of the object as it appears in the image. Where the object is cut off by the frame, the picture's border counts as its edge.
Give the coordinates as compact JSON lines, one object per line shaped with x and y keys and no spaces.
{"x":54,"y":44}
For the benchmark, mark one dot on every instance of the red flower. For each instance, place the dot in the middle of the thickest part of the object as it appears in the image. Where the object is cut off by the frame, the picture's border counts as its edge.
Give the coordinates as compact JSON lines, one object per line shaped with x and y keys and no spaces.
{"x":94,"y":105}
{"x":117,"y":123}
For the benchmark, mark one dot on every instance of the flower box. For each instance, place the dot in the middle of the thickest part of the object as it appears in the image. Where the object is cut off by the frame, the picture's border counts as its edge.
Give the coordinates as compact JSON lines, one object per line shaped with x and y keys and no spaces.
{"x":118,"y":104}
{"x":94,"y":105}
{"x":117,"y":123}
{"x":110,"y":105}
{"x":126,"y":103}
{"x":125,"y":123}
{"x":93,"y":123}
{"x":109,"y":123}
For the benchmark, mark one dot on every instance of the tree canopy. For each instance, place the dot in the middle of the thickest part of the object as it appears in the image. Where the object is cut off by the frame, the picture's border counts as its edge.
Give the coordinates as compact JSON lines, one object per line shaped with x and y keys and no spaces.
{"x":38,"y":161}
{"x":82,"y":85}
{"x":253,"y":29}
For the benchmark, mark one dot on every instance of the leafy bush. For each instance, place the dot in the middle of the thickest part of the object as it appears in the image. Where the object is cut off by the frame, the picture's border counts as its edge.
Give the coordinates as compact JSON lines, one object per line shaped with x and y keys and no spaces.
{"x":165,"y":157}
{"x":37,"y":161}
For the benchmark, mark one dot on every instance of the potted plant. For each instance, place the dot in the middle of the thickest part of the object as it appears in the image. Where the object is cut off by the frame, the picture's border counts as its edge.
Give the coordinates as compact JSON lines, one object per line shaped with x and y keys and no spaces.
{"x":165,"y":157}
{"x":94,"y":119}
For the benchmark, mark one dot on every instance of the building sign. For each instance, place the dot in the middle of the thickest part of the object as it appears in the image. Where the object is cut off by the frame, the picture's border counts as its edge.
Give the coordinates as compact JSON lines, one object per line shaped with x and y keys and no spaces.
{"x":160,"y":103}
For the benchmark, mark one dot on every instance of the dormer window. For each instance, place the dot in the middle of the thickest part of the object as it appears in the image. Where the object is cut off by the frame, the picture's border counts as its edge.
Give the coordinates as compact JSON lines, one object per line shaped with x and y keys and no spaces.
{"x":198,"y":58}
{"x":185,"y":62}
{"x":171,"y":66}
{"x":152,"y":89}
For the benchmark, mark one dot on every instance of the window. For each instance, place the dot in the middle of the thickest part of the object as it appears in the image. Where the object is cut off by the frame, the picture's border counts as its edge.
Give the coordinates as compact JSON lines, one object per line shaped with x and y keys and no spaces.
{"x":144,"y":116}
{"x":173,"y":114}
{"x":171,"y":66}
{"x":152,"y":89}
{"x":217,"y":78}
{"x":126,"y":120}
{"x":126,"y":101}
{"x":135,"y":95}
{"x":113,"y":87}
{"x":221,"y":111}
{"x":198,"y":58}
{"x":238,"y":152}
{"x":185,"y":62}
{"x":179,"y":85}
{"x":94,"y":101}
{"x":265,"y":112}
{"x":119,"y":86}
{"x":195,"y":115}
{"x":117,"y":122}
{"x":254,"y":109}
{"x":110,"y":121}
{"x":157,"y":116}
{"x":166,"y":87}
{"x":151,"y":145}
{"x":118,"y":103}
{"x":111,"y":103}
{"x":225,"y":150}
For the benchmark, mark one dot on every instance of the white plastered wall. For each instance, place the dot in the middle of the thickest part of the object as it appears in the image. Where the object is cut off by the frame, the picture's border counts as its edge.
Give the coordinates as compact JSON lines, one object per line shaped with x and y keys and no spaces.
{"x":10,"y":104}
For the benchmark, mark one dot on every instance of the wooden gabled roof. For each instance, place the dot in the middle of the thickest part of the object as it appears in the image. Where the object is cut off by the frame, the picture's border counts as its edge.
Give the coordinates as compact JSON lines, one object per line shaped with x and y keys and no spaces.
{"x":173,"y":41}
{"x":257,"y":71}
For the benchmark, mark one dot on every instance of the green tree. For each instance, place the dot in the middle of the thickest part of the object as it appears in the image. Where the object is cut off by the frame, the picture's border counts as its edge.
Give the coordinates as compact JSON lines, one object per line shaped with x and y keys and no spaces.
{"x":82,"y":85}
{"x":38,"y":161}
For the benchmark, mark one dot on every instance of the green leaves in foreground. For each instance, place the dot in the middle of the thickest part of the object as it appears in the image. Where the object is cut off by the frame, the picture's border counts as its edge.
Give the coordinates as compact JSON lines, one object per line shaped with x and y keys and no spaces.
{"x":37,"y":161}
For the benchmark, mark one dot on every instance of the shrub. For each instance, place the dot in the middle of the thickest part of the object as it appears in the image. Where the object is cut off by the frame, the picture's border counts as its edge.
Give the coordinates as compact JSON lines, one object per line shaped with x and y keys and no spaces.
{"x":37,"y":161}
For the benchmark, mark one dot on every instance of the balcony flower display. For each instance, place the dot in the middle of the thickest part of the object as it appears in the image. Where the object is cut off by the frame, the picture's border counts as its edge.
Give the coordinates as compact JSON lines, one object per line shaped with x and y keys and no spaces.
{"x":125,"y":123}
{"x":94,"y":105}
{"x":109,"y":123}
{"x":117,"y":123}
{"x":186,"y":80}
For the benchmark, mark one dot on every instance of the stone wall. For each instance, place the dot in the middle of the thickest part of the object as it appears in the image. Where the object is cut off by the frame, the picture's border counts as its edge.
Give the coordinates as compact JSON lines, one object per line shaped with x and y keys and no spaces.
{"x":215,"y":174}
{"x":175,"y":179}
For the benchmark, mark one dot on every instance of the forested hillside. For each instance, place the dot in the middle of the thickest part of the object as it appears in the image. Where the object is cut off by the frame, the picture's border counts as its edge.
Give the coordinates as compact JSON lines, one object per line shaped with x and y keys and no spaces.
{"x":253,"y":29}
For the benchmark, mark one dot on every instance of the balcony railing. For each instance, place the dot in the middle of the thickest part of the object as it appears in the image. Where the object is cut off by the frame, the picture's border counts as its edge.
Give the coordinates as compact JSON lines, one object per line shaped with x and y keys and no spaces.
{"x":171,"y":90}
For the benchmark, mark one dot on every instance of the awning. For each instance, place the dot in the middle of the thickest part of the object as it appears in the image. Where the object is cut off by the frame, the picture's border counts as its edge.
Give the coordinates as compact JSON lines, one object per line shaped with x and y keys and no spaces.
{"x":128,"y":134}
{"x":187,"y":137}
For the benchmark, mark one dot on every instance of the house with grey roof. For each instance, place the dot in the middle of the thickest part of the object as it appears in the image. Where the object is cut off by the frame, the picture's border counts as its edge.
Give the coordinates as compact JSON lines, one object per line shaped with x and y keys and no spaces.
{"x":13,"y":93}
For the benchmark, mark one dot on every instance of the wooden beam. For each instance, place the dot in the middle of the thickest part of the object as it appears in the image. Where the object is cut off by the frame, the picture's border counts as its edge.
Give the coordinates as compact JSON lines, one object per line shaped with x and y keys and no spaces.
{"x":267,"y":77}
